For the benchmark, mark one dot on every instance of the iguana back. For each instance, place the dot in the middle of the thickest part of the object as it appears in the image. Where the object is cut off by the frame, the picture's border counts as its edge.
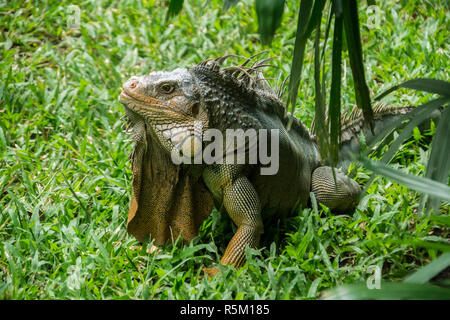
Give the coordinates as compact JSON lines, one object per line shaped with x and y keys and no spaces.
{"x":246,"y":101}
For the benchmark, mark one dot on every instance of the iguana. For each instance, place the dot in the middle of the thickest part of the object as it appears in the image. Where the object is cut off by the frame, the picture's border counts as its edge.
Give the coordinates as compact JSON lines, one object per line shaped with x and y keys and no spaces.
{"x":170,"y":200}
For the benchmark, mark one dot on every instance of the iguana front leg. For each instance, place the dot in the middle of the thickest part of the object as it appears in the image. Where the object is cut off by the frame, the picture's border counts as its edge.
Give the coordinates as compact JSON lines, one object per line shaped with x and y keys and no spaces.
{"x":242,"y":204}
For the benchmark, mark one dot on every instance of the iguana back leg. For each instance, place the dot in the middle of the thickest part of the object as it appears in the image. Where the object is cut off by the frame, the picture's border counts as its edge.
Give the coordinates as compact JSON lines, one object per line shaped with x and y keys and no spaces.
{"x":340,"y":195}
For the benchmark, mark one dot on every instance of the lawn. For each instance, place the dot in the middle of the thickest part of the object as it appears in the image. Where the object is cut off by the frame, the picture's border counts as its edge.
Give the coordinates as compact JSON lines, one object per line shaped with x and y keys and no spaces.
{"x":65,"y":178}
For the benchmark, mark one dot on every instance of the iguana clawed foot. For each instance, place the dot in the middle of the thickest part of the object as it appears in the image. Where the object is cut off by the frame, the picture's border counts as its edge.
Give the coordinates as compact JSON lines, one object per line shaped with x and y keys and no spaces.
{"x":152,"y":249}
{"x":211,"y":272}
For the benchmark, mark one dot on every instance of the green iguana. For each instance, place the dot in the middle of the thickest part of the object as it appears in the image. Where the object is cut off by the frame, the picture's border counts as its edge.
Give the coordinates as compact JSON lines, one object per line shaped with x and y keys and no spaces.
{"x":167,"y":110}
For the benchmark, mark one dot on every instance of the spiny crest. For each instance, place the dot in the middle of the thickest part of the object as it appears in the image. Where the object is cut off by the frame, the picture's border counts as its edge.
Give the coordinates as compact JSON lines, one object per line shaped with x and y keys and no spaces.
{"x":248,"y":75}
{"x":233,"y":87}
{"x":354,"y":122}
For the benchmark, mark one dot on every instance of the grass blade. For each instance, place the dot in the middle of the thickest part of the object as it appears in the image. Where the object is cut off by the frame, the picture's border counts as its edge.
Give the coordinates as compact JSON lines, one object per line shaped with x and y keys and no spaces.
{"x":315,"y":18}
{"x":300,"y":42}
{"x":429,"y":85}
{"x":351,"y":25}
{"x":440,"y":219}
{"x":327,"y":33}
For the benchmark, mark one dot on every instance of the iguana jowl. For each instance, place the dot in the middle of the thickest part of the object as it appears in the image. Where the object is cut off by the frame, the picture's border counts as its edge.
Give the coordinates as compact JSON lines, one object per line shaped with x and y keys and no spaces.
{"x":172,"y":200}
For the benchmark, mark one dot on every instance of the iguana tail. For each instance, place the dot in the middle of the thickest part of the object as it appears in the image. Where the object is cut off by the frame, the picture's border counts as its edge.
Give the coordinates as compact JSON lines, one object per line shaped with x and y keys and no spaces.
{"x":354,"y":124}
{"x":335,"y":189}
{"x":384,"y":118}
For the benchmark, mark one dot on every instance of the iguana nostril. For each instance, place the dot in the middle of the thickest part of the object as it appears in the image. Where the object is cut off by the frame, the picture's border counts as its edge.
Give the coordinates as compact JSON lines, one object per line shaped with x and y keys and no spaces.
{"x":195,"y":109}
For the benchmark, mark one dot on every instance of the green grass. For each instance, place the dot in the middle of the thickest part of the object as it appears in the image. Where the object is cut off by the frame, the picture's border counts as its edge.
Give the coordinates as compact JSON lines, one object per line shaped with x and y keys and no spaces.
{"x":65,"y":179}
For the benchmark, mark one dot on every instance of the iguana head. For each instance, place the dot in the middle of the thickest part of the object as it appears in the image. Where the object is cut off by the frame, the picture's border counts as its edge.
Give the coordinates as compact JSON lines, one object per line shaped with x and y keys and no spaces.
{"x":167,"y":102}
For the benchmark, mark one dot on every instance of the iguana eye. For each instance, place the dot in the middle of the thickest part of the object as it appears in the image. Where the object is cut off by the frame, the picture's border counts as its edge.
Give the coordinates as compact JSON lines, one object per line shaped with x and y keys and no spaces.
{"x":167,"y":88}
{"x":133,"y":85}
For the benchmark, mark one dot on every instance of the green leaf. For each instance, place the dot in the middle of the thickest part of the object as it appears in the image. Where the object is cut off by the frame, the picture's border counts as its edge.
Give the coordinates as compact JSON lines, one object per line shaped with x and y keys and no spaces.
{"x":227,"y":4}
{"x":315,"y":18}
{"x":423,"y":113}
{"x":426,"y":273}
{"x":411,"y":242}
{"x":175,"y":7}
{"x":313,"y":288}
{"x":334,"y":111}
{"x":189,"y":252}
{"x":327,"y":33}
{"x":439,"y":162}
{"x":307,"y":21}
{"x":320,"y":125}
{"x":388,"y":291}
{"x":429,"y":85}
{"x":270,"y":13}
{"x":398,"y":123}
{"x":351,"y":25}
{"x":421,"y":184}
{"x":444,"y":219}
{"x":422,"y":84}
{"x":3,"y":144}
{"x":299,"y":52}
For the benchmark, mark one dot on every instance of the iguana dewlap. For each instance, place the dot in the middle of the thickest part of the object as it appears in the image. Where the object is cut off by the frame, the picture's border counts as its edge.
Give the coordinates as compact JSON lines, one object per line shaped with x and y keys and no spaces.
{"x":171,"y":200}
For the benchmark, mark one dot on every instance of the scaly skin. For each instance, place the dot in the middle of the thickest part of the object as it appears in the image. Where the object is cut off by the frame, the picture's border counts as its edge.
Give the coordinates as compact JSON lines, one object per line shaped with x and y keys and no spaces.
{"x":166,"y":108}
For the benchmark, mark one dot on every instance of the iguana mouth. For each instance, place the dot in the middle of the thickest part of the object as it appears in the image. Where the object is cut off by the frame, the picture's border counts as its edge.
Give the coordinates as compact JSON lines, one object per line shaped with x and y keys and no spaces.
{"x":128,"y":96}
{"x":141,"y":103}
{"x":157,"y":112}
